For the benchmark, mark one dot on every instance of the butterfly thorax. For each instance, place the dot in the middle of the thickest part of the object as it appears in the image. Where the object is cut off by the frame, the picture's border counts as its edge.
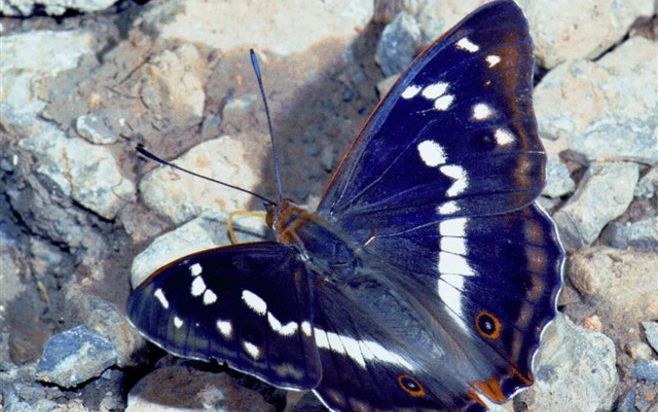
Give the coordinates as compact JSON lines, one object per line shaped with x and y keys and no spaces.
{"x":320,"y":244}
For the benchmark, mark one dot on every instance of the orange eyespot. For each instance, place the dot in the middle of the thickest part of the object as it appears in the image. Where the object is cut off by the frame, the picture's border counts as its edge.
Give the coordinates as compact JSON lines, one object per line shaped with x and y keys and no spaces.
{"x":487,"y":325}
{"x":411,"y":386}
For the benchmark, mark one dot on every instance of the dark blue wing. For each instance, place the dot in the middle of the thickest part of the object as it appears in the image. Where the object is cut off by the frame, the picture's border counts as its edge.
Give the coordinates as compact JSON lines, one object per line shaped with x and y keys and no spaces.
{"x":248,"y":305}
{"x":456,"y":136}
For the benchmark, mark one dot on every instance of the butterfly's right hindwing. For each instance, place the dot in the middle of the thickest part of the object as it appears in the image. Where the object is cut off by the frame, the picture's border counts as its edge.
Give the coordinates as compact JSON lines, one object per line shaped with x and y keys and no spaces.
{"x":249,"y":305}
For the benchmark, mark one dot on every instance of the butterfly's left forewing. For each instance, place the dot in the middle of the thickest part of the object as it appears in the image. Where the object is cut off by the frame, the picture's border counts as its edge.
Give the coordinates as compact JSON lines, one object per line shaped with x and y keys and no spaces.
{"x":249,"y":305}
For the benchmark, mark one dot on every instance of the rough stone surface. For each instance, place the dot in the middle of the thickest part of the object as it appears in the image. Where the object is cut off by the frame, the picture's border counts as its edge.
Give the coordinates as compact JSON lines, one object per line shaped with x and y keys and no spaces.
{"x":648,"y":185}
{"x":604,"y":193}
{"x":204,"y":232}
{"x":96,"y":129}
{"x":651,"y":332}
{"x":619,"y":120}
{"x":646,"y":370}
{"x":574,"y":367}
{"x":75,"y":356}
{"x":86,"y":172}
{"x":28,"y":59}
{"x":588,"y":28}
{"x":642,"y":235}
{"x":398,"y":44}
{"x":179,"y":388}
{"x":272,"y":26}
{"x":182,"y":197}
{"x":558,"y":178}
{"x":52,"y":7}
{"x":622,"y":284}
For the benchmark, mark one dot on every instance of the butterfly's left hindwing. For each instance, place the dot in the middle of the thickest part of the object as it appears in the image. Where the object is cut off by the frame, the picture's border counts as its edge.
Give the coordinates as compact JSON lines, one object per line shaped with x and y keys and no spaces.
{"x":249,"y":305}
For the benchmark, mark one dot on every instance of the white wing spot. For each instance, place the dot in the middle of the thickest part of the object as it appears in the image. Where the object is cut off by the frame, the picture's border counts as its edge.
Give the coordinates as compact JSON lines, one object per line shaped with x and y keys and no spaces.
{"x":493,"y":60}
{"x":455,"y":245}
{"x":431,"y":153}
{"x":285,"y":330}
{"x":448,"y":208}
{"x":466,"y":44}
{"x":198,"y":286}
{"x":255,"y":302}
{"x":159,"y":294}
{"x":225,"y":328}
{"x":251,"y":349}
{"x":451,"y":295}
{"x":454,"y":264}
{"x":196,"y":269}
{"x":209,"y":297}
{"x":178,"y":322}
{"x":461,"y":179}
{"x":306,"y":328}
{"x":435,"y":90}
{"x":482,"y":111}
{"x":443,"y":102}
{"x":410,"y":91}
{"x":453,"y":227}
{"x":503,"y":137}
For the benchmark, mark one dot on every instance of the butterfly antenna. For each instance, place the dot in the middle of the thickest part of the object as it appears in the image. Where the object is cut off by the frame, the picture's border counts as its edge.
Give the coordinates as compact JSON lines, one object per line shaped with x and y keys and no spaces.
{"x":275,"y":157}
{"x":141,"y":150}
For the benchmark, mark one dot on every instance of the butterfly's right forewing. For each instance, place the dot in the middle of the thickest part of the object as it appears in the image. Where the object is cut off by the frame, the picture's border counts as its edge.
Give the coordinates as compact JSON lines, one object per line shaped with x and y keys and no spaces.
{"x":248,"y":305}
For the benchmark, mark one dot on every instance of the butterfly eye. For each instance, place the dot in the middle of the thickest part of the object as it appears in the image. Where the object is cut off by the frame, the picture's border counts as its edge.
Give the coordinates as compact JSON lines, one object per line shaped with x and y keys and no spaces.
{"x":487,"y":325}
{"x":411,"y":386}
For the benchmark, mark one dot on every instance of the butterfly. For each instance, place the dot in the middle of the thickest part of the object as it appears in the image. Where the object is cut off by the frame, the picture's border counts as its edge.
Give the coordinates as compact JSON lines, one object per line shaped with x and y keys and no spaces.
{"x":426,"y":275}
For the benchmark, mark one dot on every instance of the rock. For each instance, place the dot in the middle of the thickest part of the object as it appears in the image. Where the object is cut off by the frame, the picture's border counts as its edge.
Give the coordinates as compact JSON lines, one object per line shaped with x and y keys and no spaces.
{"x":558,"y":178}
{"x":619,"y":120}
{"x":182,"y":197}
{"x":272,"y":26}
{"x":104,"y":319}
{"x":96,"y":129}
{"x":651,"y":332}
{"x":646,"y":370}
{"x":27,"y":60}
{"x":588,"y":29}
{"x":52,"y":7}
{"x":86,"y":172}
{"x":648,"y":185}
{"x":176,"y":80}
{"x":641,"y":235}
{"x":398,"y":44}
{"x":621,"y":284}
{"x":604,"y":193}
{"x":75,"y":356}
{"x":179,"y":388}
{"x":574,"y":367}
{"x":386,"y":84}
{"x":204,"y":232}
{"x":638,"y":350}
{"x":627,"y":403}
{"x":435,"y":17}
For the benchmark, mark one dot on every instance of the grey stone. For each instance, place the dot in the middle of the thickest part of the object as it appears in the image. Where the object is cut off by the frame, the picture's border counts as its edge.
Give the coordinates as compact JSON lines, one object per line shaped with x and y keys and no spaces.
{"x":651,"y":332}
{"x":574,"y":367}
{"x":86,"y":172}
{"x":558,"y":178}
{"x":648,"y":184}
{"x":52,"y":7}
{"x":179,"y":388}
{"x":398,"y":44}
{"x":627,"y":403}
{"x":564,"y":30}
{"x":204,"y":232}
{"x":621,"y":284}
{"x":646,"y":370}
{"x":605,"y":109}
{"x":75,"y":356}
{"x":96,"y":129}
{"x":604,"y":193}
{"x":385,"y":85}
{"x":182,"y":197}
{"x":642,"y":235}
{"x":273,"y":26}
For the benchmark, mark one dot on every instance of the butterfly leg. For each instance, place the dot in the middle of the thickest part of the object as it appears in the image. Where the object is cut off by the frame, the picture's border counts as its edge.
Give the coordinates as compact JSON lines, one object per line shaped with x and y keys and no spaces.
{"x":229,"y":221}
